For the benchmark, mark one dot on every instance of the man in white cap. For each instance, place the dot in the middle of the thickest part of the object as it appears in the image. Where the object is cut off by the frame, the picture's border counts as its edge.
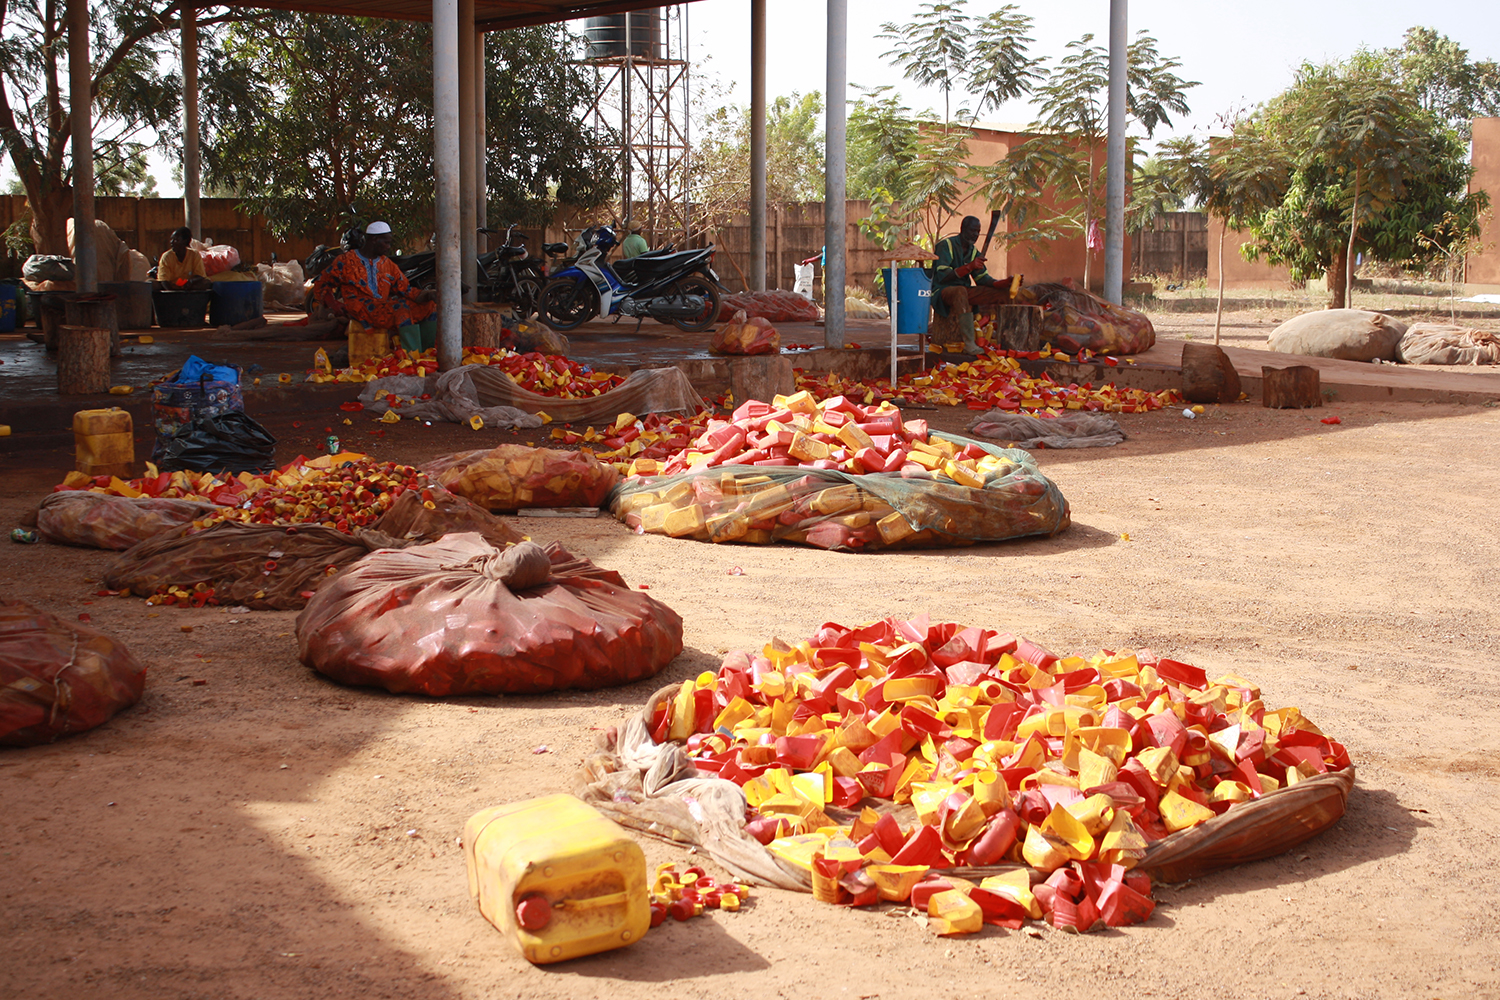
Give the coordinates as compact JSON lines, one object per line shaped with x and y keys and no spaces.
{"x":367,"y":287}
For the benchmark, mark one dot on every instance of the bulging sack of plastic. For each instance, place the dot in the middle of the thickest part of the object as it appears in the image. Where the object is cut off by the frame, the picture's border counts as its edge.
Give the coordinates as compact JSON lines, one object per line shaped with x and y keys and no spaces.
{"x":513,"y":476}
{"x":743,"y":335}
{"x":777,"y":306}
{"x":1348,"y":334}
{"x":459,"y":616}
{"x":59,"y":677}
{"x":98,"y":521}
{"x":1075,"y":320}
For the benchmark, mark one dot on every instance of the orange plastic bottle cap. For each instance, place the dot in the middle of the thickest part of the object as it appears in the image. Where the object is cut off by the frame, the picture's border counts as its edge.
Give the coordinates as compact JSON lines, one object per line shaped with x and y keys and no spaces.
{"x":533,"y":913}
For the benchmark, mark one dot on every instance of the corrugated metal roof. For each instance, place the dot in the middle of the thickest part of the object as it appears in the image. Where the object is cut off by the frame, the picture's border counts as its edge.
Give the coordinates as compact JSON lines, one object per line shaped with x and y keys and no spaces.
{"x":488,"y":14}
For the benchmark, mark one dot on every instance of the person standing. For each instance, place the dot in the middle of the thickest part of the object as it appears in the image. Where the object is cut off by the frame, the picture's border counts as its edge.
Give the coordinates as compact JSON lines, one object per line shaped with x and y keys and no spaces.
{"x":366,"y":286}
{"x":960,"y":282}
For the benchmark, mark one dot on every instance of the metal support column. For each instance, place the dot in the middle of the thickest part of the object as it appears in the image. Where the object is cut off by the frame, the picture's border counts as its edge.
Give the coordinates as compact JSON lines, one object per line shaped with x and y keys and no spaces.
{"x":1114,"y":191}
{"x":191,"y":174}
{"x":468,"y":238}
{"x":446,"y":181}
{"x":481,"y":159}
{"x":81,"y":110}
{"x":833,"y":182}
{"x":757,"y":145}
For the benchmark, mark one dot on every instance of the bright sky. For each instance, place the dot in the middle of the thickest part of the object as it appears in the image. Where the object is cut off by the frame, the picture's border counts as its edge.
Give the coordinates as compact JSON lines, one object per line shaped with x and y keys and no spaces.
{"x":1241,"y":53}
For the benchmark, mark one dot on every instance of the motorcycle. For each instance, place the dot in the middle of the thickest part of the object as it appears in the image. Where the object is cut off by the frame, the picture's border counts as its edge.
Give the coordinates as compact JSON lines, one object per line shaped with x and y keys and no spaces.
{"x":678,"y":288}
{"x":509,"y":274}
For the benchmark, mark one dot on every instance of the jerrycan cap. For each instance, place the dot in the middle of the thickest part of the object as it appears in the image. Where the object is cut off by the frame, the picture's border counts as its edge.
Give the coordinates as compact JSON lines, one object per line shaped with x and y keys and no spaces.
{"x":533,"y":913}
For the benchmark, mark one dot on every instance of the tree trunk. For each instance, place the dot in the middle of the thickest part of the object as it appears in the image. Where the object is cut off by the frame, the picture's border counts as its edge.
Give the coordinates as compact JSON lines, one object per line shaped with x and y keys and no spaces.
{"x":1219,"y":310}
{"x":1294,"y":388}
{"x":49,"y":221}
{"x":1337,"y":272}
{"x":82,"y":360}
{"x":1349,"y":253}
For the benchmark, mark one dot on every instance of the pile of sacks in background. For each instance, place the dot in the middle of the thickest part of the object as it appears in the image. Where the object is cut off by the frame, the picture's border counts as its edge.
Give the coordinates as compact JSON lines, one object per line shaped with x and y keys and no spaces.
{"x":114,"y":260}
{"x":1074,"y":320}
{"x":1362,"y":335}
{"x":777,"y":306}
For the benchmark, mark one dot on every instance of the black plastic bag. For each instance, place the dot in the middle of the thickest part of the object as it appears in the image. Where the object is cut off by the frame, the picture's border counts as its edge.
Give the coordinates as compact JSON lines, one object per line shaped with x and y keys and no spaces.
{"x":219,"y":442}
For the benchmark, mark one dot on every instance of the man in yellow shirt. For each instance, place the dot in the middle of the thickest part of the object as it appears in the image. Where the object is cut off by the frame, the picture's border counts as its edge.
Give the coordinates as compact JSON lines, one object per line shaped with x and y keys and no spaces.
{"x":181,"y":267}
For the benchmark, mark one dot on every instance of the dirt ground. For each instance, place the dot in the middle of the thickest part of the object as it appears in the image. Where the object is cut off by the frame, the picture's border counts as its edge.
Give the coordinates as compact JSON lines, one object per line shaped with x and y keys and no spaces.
{"x":271,"y":835}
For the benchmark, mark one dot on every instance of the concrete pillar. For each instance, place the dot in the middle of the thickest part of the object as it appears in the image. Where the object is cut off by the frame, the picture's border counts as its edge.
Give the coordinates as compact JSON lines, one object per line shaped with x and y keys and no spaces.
{"x":757,"y":145}
{"x":834,"y":272}
{"x":1114,"y":191}
{"x":191,"y":175}
{"x":468,"y":238}
{"x":81,"y":110}
{"x":481,"y":154}
{"x":446,"y":182}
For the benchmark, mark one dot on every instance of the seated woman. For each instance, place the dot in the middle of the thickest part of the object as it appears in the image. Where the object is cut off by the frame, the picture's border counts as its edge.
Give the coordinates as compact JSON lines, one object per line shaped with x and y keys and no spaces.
{"x":181,"y":268}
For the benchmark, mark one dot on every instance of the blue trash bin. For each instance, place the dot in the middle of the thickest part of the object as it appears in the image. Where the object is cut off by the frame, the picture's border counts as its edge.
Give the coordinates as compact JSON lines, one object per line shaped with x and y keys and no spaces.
{"x":913,"y":298}
{"x":8,"y":305}
{"x":234,"y":302}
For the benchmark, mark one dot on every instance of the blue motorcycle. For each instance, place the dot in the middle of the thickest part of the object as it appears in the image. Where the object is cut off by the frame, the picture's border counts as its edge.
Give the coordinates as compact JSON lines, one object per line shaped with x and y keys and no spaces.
{"x":678,"y":288}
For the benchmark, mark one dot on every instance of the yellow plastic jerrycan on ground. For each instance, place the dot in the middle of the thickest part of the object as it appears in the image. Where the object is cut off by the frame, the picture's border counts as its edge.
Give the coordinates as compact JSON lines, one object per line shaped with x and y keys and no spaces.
{"x":104,"y":443}
{"x":558,"y":878}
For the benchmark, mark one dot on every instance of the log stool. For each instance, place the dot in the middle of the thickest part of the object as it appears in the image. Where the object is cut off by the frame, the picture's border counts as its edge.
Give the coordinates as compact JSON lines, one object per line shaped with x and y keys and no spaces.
{"x":1294,"y":388}
{"x":1207,"y":375}
{"x":483,"y":327}
{"x":82,"y":360}
{"x":761,"y":376}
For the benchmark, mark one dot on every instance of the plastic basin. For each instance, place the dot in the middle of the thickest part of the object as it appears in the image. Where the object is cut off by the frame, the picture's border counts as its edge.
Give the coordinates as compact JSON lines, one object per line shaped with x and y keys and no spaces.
{"x":180,"y":308}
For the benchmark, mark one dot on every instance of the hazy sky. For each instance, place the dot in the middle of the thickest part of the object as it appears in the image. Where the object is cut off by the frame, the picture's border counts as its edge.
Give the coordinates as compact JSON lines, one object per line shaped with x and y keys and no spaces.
{"x":1241,"y":53}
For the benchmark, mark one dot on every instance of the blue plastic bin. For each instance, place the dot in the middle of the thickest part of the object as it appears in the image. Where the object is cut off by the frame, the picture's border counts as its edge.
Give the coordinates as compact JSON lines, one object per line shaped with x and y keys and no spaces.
{"x":8,"y":305}
{"x":913,"y":298}
{"x":234,"y":302}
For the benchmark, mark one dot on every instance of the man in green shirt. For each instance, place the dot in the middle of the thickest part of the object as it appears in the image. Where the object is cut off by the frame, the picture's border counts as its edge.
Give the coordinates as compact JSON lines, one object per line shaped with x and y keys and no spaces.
{"x":635,"y":244}
{"x":953,"y":292}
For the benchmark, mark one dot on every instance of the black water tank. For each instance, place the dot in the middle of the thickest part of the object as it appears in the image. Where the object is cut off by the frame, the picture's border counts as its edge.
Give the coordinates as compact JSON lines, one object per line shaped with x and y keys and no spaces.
{"x":606,"y":35}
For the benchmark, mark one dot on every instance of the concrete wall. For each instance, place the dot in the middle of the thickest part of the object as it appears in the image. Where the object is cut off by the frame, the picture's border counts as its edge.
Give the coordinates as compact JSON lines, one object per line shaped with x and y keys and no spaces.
{"x":1483,"y":269}
{"x":1239,"y":272}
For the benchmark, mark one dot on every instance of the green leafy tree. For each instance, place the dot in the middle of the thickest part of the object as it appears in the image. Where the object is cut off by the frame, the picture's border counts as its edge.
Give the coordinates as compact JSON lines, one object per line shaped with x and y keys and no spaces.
{"x":308,"y":114}
{"x":794,"y":155}
{"x":1445,"y":80}
{"x":1368,"y":168}
{"x":135,"y":99}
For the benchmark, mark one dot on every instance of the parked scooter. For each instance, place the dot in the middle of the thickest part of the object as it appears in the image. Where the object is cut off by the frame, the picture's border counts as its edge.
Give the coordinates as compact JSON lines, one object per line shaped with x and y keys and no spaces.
{"x":677,"y":288}
{"x":508,"y":274}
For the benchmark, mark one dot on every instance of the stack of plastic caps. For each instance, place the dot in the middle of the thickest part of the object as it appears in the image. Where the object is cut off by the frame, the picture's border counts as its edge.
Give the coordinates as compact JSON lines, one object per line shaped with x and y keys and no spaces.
{"x":994,"y":381}
{"x":344,"y":491}
{"x":1007,"y":752}
{"x":687,"y":895}
{"x":543,"y":374}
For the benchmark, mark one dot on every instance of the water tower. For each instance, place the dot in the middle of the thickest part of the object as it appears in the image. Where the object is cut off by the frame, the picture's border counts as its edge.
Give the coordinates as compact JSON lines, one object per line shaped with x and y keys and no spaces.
{"x":641,"y":69}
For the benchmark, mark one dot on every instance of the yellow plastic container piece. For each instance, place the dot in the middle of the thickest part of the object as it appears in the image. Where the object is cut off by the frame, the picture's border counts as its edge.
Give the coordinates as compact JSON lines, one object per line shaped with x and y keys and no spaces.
{"x":557,"y":878}
{"x":104,"y":443}
{"x":366,"y":343}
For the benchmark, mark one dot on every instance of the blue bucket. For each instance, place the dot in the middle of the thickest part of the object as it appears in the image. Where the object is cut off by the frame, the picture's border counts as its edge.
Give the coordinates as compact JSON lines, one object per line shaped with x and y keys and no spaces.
{"x":234,"y":302}
{"x":7,"y":308}
{"x":913,"y":298}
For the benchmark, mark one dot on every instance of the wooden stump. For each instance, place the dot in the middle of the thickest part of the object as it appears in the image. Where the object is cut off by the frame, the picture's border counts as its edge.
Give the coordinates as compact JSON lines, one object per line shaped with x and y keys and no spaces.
{"x":943,"y":329}
{"x":95,"y":310}
{"x":51,"y":314}
{"x":1207,"y":375}
{"x":483,"y":327}
{"x":82,"y":360}
{"x":1018,"y":328}
{"x":761,"y":376}
{"x":1294,"y":388}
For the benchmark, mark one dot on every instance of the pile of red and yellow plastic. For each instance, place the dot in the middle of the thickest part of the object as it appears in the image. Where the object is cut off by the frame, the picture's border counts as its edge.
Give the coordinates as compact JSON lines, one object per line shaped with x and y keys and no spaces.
{"x":995,"y":380}
{"x":344,"y":491}
{"x":543,"y":374}
{"x":655,"y":437}
{"x":686,"y":895}
{"x":1007,"y":753}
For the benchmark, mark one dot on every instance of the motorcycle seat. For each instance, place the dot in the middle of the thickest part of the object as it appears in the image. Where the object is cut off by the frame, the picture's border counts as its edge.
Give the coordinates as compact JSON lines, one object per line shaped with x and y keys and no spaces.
{"x":652,"y":265}
{"x":555,"y":248}
{"x":510,"y":253}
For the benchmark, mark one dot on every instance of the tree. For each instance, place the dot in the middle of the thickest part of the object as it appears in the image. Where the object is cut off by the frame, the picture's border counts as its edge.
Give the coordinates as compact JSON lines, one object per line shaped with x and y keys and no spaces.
{"x":1367,"y":168}
{"x":1053,"y":184}
{"x":794,"y":155}
{"x":1437,"y":69}
{"x":307,"y":114}
{"x":133,"y":97}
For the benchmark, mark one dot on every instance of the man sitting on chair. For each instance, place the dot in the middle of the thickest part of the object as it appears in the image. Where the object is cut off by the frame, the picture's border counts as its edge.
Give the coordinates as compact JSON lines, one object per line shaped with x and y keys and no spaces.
{"x":952,"y":291}
{"x":366,"y":286}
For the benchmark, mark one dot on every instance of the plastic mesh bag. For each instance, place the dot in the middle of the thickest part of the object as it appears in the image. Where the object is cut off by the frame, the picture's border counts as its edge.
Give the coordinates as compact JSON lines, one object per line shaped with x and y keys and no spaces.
{"x":95,"y":520}
{"x":743,"y":335}
{"x":513,"y":476}
{"x":59,"y":677}
{"x":459,"y":616}
{"x":778,"y":307}
{"x":1076,"y":320}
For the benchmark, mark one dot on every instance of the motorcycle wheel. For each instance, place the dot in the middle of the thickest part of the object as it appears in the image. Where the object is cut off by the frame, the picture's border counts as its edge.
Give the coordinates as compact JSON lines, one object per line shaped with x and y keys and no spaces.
{"x":528,"y":297}
{"x":696,"y":284}
{"x":567,"y":303}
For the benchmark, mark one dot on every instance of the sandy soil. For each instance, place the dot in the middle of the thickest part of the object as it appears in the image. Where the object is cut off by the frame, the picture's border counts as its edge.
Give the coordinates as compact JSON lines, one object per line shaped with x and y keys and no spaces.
{"x":269,"y":834}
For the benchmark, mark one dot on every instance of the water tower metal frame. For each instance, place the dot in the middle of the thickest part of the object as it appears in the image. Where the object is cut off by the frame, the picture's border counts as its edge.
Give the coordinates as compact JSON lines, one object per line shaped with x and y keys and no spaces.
{"x":647,"y":97}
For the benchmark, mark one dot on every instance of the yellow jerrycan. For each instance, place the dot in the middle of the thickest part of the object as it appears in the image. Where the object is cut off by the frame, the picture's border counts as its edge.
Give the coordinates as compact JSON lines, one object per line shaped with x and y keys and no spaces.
{"x":104,"y":443}
{"x":557,"y":877}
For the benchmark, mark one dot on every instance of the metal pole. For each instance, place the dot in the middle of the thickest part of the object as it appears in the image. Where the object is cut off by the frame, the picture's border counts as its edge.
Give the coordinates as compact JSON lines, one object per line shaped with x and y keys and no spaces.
{"x":191,"y":176}
{"x":757,"y":145}
{"x":1114,"y":192}
{"x":445,"y":171}
{"x":833,"y":181}
{"x":627,"y":132}
{"x":468,"y":238}
{"x":481,"y":159}
{"x":80,"y":108}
